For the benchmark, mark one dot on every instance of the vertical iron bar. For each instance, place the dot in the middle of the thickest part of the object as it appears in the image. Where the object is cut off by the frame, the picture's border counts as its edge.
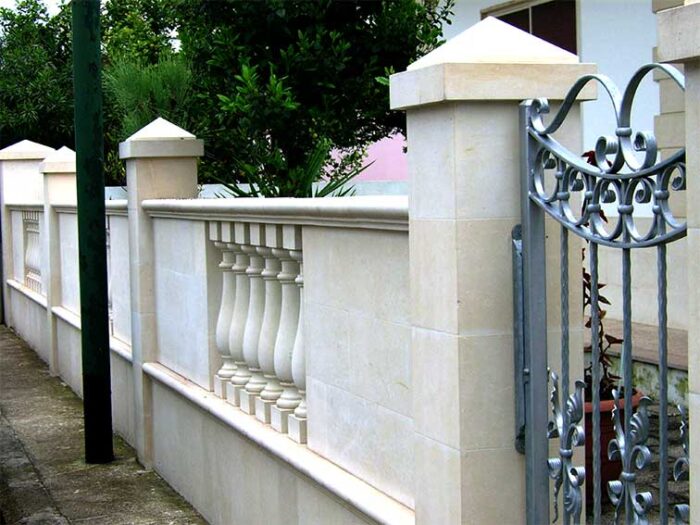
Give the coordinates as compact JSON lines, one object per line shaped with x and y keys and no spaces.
{"x":519,"y":366}
{"x":97,"y":403}
{"x":564,"y":294}
{"x":663,"y":384}
{"x":627,"y":363}
{"x":535,"y":338}
{"x":595,"y":387}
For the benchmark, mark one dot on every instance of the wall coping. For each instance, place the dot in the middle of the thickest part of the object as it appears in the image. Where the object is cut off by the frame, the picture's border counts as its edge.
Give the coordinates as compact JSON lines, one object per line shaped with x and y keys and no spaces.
{"x":368,"y":212}
{"x":112,"y":207}
{"x":28,"y":206}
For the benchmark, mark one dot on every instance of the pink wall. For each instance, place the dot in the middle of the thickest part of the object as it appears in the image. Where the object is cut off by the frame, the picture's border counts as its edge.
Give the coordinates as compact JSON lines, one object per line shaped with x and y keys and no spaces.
{"x":389,"y":160}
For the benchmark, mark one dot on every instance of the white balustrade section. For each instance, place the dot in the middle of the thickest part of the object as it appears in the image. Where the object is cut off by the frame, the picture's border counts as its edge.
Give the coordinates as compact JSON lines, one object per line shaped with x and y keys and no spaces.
{"x":258,"y":328}
{"x":32,"y":250}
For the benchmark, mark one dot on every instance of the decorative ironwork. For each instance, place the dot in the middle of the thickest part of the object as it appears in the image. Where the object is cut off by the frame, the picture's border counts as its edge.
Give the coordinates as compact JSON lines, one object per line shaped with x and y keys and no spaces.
{"x":566,"y":426}
{"x":623,"y":178}
{"x":681,"y":468}
{"x":613,"y":173}
{"x":629,"y":446}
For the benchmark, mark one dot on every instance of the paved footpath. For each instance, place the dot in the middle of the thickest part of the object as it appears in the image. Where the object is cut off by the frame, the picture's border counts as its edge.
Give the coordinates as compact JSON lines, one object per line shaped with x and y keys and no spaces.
{"x":43,"y":477}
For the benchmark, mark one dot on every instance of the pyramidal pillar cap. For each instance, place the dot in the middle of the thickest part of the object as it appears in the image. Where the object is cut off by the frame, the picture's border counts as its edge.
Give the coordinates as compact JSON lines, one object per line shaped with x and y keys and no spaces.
{"x":60,"y":161}
{"x":161,"y":139}
{"x":25,"y":150}
{"x":491,"y":60}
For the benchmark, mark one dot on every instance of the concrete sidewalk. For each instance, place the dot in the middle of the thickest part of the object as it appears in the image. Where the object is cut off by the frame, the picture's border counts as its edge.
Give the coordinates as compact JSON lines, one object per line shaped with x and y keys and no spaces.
{"x":43,"y":478}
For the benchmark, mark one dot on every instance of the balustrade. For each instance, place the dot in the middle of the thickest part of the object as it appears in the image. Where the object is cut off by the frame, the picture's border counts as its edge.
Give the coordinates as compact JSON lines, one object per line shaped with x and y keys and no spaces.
{"x":32,"y":250}
{"x":259,"y":324}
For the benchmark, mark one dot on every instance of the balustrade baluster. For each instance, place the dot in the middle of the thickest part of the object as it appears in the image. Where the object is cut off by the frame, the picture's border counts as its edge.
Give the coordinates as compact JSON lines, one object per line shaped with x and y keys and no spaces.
{"x":271,"y":322}
{"x":286,"y":337}
{"x":223,"y":323}
{"x":251,"y":333}
{"x":297,"y":421}
{"x":239,"y":317}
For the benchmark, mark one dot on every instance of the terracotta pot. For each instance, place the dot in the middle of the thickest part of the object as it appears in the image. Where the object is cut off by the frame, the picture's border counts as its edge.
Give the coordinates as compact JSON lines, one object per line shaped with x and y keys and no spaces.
{"x":609,"y":470}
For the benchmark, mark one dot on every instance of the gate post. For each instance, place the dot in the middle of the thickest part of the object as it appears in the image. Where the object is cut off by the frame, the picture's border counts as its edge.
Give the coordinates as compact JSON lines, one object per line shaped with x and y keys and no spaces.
{"x":679,"y":41}
{"x":161,"y":162}
{"x":462,"y":102}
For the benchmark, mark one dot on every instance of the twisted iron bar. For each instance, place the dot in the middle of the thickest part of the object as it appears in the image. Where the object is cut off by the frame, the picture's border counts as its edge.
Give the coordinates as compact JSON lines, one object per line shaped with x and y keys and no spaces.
{"x":566,"y":425}
{"x":615,"y":174}
{"x":629,"y":447}
{"x":681,"y":468}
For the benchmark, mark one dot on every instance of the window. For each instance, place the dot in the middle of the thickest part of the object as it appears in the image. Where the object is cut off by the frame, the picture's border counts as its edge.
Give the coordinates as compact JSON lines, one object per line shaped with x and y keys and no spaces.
{"x":550,"y":20}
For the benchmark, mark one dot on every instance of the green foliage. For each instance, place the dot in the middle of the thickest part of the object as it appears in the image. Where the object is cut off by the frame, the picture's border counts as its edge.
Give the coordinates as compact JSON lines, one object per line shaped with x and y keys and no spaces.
{"x":36,"y":75}
{"x":142,"y":93}
{"x":285,"y":93}
{"x":36,"y":93}
{"x":138,"y":30}
{"x":277,"y":82}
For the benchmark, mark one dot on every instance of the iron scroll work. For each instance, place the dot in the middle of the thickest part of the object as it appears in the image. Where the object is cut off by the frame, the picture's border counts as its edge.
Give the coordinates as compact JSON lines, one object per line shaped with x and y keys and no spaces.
{"x":624,"y":177}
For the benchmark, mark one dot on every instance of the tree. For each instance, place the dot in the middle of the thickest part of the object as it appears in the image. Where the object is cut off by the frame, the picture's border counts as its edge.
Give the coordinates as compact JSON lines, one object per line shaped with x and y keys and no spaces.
{"x":138,"y":30}
{"x":36,"y":88}
{"x":36,"y":72}
{"x":279,"y":83}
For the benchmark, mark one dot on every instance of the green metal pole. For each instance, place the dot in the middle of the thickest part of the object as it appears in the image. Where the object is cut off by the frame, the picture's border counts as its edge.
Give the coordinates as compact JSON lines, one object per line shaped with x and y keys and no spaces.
{"x":89,"y":149}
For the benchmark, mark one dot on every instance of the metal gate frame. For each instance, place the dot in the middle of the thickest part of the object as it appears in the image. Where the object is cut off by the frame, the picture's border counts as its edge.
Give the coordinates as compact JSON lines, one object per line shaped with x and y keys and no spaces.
{"x":617,"y":174}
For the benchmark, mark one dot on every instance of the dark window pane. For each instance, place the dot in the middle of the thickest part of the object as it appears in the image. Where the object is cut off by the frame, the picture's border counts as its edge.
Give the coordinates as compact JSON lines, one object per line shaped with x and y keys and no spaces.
{"x":519,"y":19}
{"x":555,"y":22}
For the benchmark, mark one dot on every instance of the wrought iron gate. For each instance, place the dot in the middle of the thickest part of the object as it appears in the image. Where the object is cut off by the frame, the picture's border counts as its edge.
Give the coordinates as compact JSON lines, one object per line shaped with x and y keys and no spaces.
{"x":622,"y":175}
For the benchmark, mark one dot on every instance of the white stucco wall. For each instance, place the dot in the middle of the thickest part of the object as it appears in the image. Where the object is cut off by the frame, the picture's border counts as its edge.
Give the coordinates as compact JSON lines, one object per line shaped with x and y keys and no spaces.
{"x":618,"y":35}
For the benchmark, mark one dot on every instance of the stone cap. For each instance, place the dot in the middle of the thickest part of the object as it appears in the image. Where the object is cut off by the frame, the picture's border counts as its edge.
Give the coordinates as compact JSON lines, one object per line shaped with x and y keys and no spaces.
{"x":60,"y":161}
{"x":677,"y":32}
{"x":491,"y":60}
{"x":25,"y":150}
{"x":161,"y":139}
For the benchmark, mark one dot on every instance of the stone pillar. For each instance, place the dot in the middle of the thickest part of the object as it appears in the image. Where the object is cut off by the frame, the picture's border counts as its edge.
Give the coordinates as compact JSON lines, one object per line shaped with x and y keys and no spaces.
{"x":679,"y":41}
{"x":20,"y":182}
{"x":59,"y":189}
{"x":161,"y":162}
{"x":464,"y":167}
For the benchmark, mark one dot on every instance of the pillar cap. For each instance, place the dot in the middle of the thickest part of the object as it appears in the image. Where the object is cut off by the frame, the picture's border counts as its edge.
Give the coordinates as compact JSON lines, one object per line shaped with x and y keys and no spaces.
{"x":161,"y":139}
{"x":60,"y":161}
{"x":677,"y":32}
{"x":491,"y":60}
{"x":25,"y":150}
